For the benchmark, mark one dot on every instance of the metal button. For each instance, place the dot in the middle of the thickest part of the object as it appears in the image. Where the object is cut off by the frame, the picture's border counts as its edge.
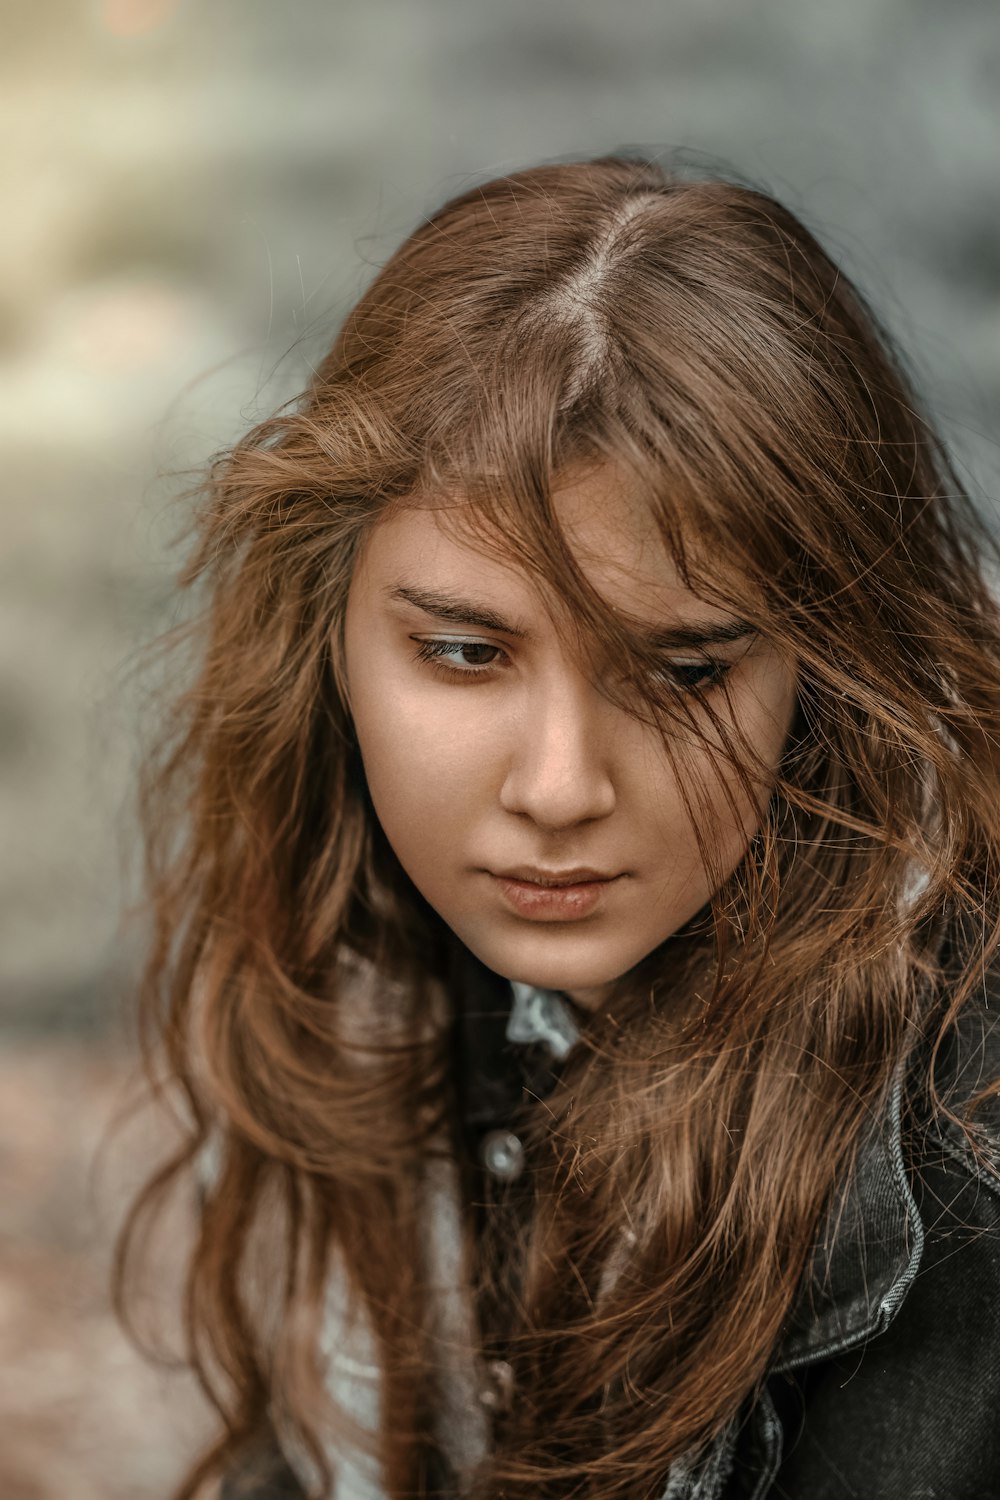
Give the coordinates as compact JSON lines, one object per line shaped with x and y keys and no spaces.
{"x":497,"y":1395}
{"x":502,"y":1154}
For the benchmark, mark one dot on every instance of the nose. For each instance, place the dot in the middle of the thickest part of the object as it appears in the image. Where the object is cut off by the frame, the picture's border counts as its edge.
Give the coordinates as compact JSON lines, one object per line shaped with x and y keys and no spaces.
{"x":559,"y":771}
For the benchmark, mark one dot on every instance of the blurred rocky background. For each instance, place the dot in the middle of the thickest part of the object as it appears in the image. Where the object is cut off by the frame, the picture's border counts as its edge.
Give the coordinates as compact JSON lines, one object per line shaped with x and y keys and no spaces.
{"x":194,"y":191}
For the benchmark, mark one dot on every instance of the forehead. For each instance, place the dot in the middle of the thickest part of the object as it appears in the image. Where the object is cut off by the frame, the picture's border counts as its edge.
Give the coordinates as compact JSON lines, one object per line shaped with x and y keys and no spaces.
{"x":607,"y":525}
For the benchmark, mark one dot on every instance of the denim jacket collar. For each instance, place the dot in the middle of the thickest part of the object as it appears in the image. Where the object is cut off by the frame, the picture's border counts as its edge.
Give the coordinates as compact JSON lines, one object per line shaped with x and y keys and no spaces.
{"x":867,"y":1253}
{"x":871,"y":1238}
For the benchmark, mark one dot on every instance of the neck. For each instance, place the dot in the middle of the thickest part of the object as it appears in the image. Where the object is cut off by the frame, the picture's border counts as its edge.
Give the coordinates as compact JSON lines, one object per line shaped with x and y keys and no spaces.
{"x":588,"y":999}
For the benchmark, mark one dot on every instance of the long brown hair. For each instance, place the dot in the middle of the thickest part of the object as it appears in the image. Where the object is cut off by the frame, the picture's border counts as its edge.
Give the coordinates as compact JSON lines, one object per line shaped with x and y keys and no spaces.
{"x":697,"y":336}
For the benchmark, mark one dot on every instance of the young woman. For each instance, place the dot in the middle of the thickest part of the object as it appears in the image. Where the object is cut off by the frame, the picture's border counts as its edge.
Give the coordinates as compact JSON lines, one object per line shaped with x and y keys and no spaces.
{"x":574,"y":869}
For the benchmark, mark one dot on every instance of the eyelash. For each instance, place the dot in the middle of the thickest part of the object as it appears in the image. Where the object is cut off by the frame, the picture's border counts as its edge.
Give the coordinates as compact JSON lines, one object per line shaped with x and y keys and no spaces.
{"x":434,"y":651}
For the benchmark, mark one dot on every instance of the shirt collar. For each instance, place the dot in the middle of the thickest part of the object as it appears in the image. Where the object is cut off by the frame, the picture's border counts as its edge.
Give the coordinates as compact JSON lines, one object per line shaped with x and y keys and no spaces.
{"x":544,"y":1016}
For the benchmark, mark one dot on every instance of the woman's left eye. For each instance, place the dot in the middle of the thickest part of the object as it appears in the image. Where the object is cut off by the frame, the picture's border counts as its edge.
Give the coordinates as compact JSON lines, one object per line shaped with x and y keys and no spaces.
{"x":690,"y":675}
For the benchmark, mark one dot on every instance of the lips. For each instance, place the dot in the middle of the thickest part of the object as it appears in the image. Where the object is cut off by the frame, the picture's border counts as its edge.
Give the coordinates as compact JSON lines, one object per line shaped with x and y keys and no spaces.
{"x":565,"y":902}
{"x":580,"y":875}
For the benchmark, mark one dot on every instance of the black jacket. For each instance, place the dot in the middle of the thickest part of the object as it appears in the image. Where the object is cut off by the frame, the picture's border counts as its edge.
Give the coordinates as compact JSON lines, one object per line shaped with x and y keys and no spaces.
{"x":886,"y":1383}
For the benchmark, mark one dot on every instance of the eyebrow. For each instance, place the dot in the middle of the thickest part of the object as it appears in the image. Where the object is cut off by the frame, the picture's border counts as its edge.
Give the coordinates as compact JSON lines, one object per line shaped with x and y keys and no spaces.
{"x":466,"y":612}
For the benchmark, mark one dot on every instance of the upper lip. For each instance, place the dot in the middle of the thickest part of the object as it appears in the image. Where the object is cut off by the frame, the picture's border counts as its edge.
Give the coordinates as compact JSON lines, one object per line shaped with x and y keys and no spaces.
{"x":555,"y":877}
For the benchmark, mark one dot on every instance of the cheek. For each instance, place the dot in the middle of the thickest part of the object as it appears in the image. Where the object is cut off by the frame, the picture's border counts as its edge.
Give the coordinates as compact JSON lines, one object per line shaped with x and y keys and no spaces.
{"x":421,"y":771}
{"x":728,"y":811}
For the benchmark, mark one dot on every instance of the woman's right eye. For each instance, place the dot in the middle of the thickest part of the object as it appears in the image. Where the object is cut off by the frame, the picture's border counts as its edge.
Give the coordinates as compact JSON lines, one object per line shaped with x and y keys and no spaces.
{"x":443,"y":654}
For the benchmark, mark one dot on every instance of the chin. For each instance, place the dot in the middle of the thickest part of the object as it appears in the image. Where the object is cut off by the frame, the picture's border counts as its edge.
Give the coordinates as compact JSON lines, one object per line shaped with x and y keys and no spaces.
{"x":552,"y":975}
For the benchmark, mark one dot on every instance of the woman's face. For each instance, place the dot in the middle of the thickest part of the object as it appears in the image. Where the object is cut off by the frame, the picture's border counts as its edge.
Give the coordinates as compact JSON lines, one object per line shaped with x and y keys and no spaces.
{"x":495,"y":751}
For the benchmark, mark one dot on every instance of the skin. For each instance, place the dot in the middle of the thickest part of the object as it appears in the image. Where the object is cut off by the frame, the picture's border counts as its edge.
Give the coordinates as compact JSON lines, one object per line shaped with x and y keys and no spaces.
{"x":527,"y":762}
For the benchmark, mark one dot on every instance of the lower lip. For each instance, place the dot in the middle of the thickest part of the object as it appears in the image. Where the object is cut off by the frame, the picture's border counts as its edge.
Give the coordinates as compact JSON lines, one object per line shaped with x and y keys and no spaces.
{"x":552,"y":903}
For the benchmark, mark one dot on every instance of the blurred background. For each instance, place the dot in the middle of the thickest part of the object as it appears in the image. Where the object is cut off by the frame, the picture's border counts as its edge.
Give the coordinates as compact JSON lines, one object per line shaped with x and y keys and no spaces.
{"x":194,"y":195}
